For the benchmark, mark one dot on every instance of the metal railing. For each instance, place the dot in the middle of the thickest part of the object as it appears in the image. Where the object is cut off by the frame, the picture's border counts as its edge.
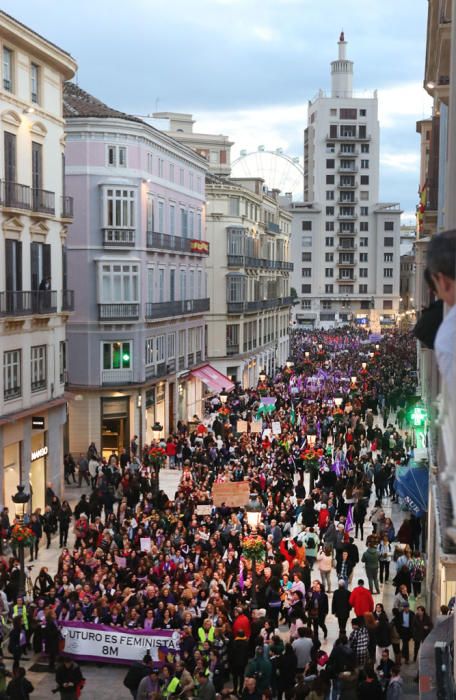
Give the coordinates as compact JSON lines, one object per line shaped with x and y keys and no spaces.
{"x":14,"y":392}
{"x":264,"y":263}
{"x":239,"y":307}
{"x":121,"y":237}
{"x":38,"y":385}
{"x":155,"y":310}
{"x":67,"y":207}
{"x":15,"y":303}
{"x":15,"y":195}
{"x":271,"y":227}
{"x":44,"y":301}
{"x":232,"y":349}
{"x":116,"y":376}
{"x":43,"y":201}
{"x":178,"y":244}
{"x":118,"y":312}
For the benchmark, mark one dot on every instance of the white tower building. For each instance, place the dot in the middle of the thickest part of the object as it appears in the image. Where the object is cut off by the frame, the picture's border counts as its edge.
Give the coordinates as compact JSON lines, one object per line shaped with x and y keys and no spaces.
{"x":346,"y":241}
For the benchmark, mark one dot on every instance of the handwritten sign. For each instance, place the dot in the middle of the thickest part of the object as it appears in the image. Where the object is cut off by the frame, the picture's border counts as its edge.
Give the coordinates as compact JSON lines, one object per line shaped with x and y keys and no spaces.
{"x":276,"y":429}
{"x":256,"y":426}
{"x":203,"y":510}
{"x":242,"y":426}
{"x":234,"y":494}
{"x":145,"y":544}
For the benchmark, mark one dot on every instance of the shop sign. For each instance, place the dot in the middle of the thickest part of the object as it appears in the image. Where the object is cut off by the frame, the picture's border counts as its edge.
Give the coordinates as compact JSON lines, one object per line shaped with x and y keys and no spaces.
{"x":39,"y":453}
{"x":37,"y":423}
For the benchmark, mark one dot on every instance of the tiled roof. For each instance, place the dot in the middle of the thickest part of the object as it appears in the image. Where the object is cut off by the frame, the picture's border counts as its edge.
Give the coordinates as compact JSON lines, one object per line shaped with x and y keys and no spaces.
{"x":79,"y":103}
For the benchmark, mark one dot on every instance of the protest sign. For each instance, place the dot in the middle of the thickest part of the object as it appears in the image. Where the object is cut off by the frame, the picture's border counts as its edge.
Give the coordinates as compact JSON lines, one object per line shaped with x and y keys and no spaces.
{"x":233,"y":494}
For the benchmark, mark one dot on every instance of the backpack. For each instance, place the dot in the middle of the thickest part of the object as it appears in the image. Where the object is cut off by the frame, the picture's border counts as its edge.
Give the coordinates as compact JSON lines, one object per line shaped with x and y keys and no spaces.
{"x":310,"y":543}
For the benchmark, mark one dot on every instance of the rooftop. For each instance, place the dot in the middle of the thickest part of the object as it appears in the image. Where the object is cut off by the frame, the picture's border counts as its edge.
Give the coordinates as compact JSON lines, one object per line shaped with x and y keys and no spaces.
{"x":79,"y":103}
{"x":40,"y":36}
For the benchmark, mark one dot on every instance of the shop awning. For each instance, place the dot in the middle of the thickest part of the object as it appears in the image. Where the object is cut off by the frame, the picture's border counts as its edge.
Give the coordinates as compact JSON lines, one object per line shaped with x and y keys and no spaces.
{"x":214,"y":379}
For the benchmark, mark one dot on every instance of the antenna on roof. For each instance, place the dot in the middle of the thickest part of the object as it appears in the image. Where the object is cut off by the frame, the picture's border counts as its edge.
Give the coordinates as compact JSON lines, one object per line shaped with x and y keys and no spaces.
{"x":157,"y":102}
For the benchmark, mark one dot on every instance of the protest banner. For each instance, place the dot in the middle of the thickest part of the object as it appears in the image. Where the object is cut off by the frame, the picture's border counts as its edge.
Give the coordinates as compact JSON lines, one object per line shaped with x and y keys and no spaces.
{"x":233,"y":494}
{"x":256,"y":426}
{"x":203,"y":510}
{"x":117,"y":645}
{"x":276,"y":429}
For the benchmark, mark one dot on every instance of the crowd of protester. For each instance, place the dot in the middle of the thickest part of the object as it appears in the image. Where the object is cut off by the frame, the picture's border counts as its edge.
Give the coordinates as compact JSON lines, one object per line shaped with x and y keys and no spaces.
{"x":252,"y":636}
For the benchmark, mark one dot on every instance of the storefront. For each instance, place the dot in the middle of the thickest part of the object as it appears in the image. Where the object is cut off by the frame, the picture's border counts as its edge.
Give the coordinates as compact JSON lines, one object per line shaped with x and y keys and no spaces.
{"x":38,"y":470}
{"x":11,"y":473}
{"x":115,"y":424}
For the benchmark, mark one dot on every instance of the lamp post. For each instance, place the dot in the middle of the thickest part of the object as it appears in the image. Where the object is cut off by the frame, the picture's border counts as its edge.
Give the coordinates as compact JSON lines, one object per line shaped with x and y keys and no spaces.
{"x":253,"y":514}
{"x":140,"y":419}
{"x":20,"y":500}
{"x":223,"y":396}
{"x":262,"y":376}
{"x":289,"y":363}
{"x":364,"y":365}
{"x":338,"y":401}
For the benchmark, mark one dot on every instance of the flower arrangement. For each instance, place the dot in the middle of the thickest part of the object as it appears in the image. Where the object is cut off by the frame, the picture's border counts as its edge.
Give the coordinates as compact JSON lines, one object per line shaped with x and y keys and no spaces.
{"x":311,"y":458}
{"x":21,"y":534}
{"x":253,"y":547}
{"x":338,"y":414}
{"x":157,"y":456}
{"x":224,"y":411}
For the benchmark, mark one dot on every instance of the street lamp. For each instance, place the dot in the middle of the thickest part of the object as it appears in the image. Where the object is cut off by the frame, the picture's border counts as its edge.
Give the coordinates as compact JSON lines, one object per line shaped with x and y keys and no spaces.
{"x":223,"y":396}
{"x":253,"y":514}
{"x":353,"y":380}
{"x":262,"y":376}
{"x":371,"y":355}
{"x":140,"y":417}
{"x":20,"y":500}
{"x":338,"y":401}
{"x":377,"y":347}
{"x":289,"y":363}
{"x":307,"y":354}
{"x":364,"y":365}
{"x":320,"y":347}
{"x":157,"y":428}
{"x":311,"y":439}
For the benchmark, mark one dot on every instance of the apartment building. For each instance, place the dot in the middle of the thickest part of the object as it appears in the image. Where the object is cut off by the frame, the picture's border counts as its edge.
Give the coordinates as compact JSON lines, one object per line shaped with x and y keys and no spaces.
{"x":137,"y":254}
{"x":345,"y":243}
{"x":35,"y":300}
{"x":249,"y":277}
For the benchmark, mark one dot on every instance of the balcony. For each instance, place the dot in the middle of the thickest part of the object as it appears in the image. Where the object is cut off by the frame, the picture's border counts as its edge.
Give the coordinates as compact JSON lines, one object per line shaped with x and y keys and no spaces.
{"x":176,"y":244}
{"x":182,"y":307}
{"x":118,"y":312}
{"x":15,"y":303}
{"x":67,"y":300}
{"x":119,"y":237}
{"x":39,"y":385}
{"x":271,"y":227}
{"x":348,"y":137}
{"x":353,"y":186}
{"x":346,"y":280}
{"x":14,"y":392}
{"x":15,"y":196}
{"x":43,"y":201}
{"x":44,"y":301}
{"x":340,"y":263}
{"x":116,"y":376}
{"x":67,"y":207}
{"x":351,"y":169}
{"x":232,"y":349}
{"x":346,"y":248}
{"x":239,"y":307}
{"x":347,"y":201}
{"x":236,"y":261}
{"x":353,"y":232}
{"x":347,"y":217}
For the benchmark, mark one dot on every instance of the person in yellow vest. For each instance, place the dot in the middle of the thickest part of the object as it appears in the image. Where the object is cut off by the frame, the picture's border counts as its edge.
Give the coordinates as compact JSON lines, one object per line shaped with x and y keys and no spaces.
{"x":206,"y":633}
{"x":171,"y":684}
{"x":20,"y":610}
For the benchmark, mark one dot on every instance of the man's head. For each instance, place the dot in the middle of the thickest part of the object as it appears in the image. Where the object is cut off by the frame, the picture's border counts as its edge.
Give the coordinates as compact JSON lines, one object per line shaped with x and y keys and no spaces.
{"x":441,"y":265}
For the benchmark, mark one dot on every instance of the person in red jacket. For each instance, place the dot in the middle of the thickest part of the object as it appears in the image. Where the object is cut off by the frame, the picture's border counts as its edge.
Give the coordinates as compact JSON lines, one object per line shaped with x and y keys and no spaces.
{"x":361,"y":599}
{"x":241,"y":622}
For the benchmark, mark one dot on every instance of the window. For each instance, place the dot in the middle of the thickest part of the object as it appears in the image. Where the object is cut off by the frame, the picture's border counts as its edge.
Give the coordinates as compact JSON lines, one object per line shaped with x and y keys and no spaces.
{"x":119,"y":283}
{"x":327,"y":316}
{"x":387,"y":303}
{"x":364,"y":164}
{"x":306,"y":272}
{"x":117,"y":155}
{"x":329,"y":226}
{"x":329,"y":288}
{"x":329,"y":257}
{"x":12,"y":374}
{"x":389,"y":226}
{"x":181,"y":177}
{"x":387,"y":257}
{"x":149,"y":351}
{"x":34,"y":82}
{"x":364,"y":148}
{"x":198,"y":225}
{"x":306,"y":304}
{"x":387,"y":289}
{"x":348,"y":113}
{"x":232,"y":338}
{"x":117,"y":355}
{"x":306,"y":241}
{"x":161,"y":217}
{"x":329,"y":195}
{"x":329,"y":211}
{"x":363,"y":257}
{"x":329,"y":272}
{"x":329,"y":241}
{"x":362,"y":112}
{"x":326,"y":304}
{"x":364,"y":179}
{"x":306,"y":257}
{"x":184,"y":222}
{"x":362,"y":132}
{"x":333,"y":112}
{"x":161,"y":348}
{"x":363,"y":195}
{"x":387,"y":272}
{"x":364,"y":226}
{"x":362,"y":289}
{"x":306,"y":226}
{"x":330,"y":163}
{"x":7,"y":69}
{"x":363,"y":271}
{"x":306,"y":289}
{"x":38,"y":367}
{"x":364,"y":211}
{"x":171,"y":172}
{"x":333,"y":131}
{"x":236,"y":285}
{"x":363,"y":242}
{"x":120,"y":208}
{"x":191,"y":181}
{"x":330,"y":179}
{"x":172,"y":220}
{"x":161,"y":284}
{"x":388,"y":242}
{"x":330,"y":147}
{"x":234,"y":206}
{"x":365,"y":303}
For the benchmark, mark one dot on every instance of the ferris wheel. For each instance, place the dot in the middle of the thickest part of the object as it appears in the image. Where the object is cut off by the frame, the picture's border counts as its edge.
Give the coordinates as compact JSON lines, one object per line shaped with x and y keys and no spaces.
{"x":278,"y":169}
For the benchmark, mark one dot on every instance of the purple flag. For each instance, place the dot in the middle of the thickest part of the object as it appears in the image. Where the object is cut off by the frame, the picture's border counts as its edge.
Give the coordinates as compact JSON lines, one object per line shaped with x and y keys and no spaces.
{"x":349,"y":521}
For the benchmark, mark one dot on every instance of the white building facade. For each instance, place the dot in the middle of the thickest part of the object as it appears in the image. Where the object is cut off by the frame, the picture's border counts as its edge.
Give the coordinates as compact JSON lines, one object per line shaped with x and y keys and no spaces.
{"x":34,"y":299}
{"x":345,"y":244}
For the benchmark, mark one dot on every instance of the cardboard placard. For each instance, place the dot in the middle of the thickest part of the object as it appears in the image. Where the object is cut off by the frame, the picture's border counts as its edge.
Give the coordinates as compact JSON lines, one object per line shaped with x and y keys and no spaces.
{"x":203,"y":510}
{"x":241,"y":426}
{"x":276,"y":429}
{"x":144,"y":543}
{"x":233,"y":494}
{"x":256,"y":426}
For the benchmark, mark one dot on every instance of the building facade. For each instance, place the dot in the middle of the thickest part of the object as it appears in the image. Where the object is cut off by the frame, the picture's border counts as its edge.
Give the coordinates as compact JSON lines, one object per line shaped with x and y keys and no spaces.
{"x":249,"y":278}
{"x":35,"y":300}
{"x":137,"y":258}
{"x":345,"y":243}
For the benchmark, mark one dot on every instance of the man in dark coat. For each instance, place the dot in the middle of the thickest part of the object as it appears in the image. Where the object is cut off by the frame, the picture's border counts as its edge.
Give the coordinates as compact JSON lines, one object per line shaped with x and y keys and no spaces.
{"x":341,"y":606}
{"x":238,"y":654}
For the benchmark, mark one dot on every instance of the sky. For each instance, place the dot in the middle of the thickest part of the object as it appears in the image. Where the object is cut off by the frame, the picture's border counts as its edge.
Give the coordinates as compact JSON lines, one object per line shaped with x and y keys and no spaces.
{"x":247,"y":68}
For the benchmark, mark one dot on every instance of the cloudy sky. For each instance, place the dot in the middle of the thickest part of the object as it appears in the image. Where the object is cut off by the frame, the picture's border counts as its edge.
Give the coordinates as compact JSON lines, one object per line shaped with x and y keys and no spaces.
{"x":247,"y":68}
